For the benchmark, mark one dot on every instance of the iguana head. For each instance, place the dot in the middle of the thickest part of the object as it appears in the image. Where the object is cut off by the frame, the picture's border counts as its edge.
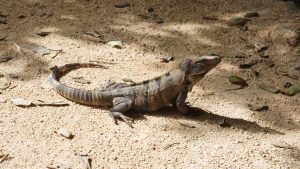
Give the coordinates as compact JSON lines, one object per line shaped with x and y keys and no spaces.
{"x":195,"y":69}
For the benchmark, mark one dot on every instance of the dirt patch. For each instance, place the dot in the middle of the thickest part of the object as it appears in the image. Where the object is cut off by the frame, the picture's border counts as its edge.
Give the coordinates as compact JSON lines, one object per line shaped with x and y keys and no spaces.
{"x":39,"y":34}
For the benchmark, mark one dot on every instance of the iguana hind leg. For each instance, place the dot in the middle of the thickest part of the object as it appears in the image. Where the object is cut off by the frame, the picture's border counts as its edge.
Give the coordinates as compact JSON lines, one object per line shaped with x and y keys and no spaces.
{"x":120,"y":106}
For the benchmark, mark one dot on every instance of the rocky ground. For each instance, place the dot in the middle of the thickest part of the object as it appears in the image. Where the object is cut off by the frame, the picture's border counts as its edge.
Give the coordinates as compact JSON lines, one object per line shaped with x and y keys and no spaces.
{"x":256,"y":126}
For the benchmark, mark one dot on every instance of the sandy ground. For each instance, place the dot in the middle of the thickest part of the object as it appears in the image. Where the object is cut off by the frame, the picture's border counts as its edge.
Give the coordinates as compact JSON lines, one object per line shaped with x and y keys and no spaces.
{"x":266,"y":139}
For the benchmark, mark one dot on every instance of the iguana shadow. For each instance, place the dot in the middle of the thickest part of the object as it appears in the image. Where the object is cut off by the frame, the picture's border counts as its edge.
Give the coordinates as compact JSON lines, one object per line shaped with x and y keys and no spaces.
{"x":198,"y":114}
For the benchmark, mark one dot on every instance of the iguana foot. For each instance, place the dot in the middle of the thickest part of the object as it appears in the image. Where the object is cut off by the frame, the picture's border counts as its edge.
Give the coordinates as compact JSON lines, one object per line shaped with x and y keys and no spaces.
{"x":183,"y":109}
{"x":126,"y":119}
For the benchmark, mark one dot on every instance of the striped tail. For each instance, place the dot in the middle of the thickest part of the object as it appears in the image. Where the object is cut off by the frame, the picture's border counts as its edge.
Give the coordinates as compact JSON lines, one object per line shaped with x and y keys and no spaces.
{"x":88,"y":97}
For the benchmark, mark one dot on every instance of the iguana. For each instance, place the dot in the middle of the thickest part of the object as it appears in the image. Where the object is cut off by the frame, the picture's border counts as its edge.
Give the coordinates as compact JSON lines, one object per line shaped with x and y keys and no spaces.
{"x":169,"y":89}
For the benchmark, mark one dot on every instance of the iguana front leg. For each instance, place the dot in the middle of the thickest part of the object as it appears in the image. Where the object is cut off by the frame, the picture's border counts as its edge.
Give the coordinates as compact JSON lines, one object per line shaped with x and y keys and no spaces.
{"x":120,"y":106}
{"x":180,"y":104}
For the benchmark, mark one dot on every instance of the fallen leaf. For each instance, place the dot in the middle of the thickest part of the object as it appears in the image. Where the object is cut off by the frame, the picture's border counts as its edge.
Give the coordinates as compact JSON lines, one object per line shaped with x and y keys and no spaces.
{"x":237,"y":80}
{"x":292,"y":90}
{"x":57,"y":103}
{"x":43,"y":34}
{"x":122,"y":5}
{"x":65,"y":133}
{"x":5,"y":58}
{"x":237,"y":21}
{"x":41,"y":50}
{"x":81,"y":80}
{"x":4,"y":85}
{"x":268,"y":88}
{"x":21,"y":102}
{"x":115,"y":44}
{"x":187,"y":125}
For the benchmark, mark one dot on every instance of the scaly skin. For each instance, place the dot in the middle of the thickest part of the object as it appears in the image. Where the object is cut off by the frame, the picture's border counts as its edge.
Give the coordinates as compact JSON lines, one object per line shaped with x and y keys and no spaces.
{"x":150,"y":95}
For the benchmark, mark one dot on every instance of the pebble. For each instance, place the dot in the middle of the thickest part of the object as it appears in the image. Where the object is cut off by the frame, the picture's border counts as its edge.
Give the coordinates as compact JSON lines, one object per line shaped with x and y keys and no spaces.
{"x":65,"y":133}
{"x":248,"y":65}
{"x":167,"y":59}
{"x":269,"y":63}
{"x":210,"y":17}
{"x":43,"y":34}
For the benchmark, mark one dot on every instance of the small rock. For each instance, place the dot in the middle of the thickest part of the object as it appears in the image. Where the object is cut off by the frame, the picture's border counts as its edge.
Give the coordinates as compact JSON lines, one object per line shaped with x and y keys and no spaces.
{"x":210,"y":17}
{"x":3,"y":99}
{"x":128,"y":80}
{"x":287,"y":85}
{"x":258,"y":107}
{"x":237,"y":80}
{"x":1,"y":75}
{"x":167,"y":59}
{"x":43,"y":34}
{"x":5,"y":58}
{"x":116,"y":44}
{"x":122,"y":5}
{"x":65,"y":133}
{"x":41,"y":50}
{"x":237,"y":21}
{"x":292,"y":90}
{"x":283,"y":145}
{"x":268,"y":88}
{"x":251,"y":14}
{"x":21,"y":102}
{"x":223,"y":123}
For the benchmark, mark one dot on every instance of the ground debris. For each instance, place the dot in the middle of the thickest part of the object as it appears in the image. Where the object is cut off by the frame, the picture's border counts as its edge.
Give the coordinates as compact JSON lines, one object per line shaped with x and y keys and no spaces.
{"x":122,"y":5}
{"x":167,"y":59}
{"x":237,"y":21}
{"x":210,"y":17}
{"x":268,"y":88}
{"x":85,"y":161}
{"x":248,"y":64}
{"x":21,"y":102}
{"x":258,"y":106}
{"x":94,"y":36}
{"x":81,"y":80}
{"x":4,"y":157}
{"x":5,"y":58}
{"x":292,"y":90}
{"x":251,"y":14}
{"x":189,"y":125}
{"x":116,"y":44}
{"x":283,"y":145}
{"x":65,"y":133}
{"x":43,"y":34}
{"x":237,"y":80}
{"x":54,"y":103}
